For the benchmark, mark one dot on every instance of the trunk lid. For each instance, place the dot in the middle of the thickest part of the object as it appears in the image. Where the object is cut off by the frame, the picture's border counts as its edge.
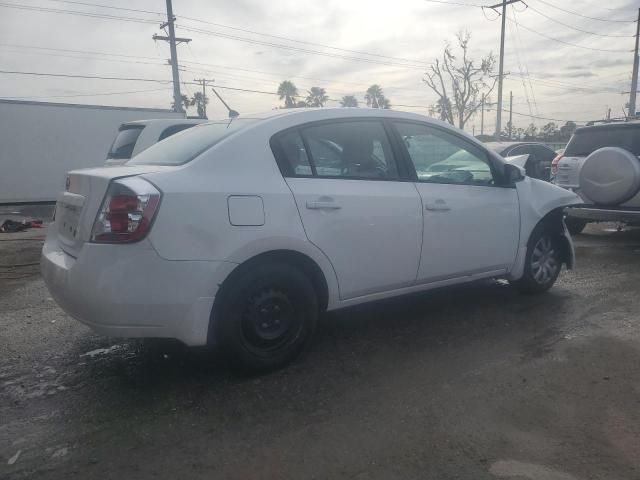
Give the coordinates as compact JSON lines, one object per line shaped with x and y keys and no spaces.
{"x":78,"y":205}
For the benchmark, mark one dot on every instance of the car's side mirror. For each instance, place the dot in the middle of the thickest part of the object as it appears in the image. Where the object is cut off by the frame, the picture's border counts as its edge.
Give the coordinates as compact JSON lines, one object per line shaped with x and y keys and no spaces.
{"x":513,"y":174}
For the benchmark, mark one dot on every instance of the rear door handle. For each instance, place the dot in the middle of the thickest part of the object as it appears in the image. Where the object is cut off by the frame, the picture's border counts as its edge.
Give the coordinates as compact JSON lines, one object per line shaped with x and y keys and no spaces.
{"x":437,"y":205}
{"x":320,"y":205}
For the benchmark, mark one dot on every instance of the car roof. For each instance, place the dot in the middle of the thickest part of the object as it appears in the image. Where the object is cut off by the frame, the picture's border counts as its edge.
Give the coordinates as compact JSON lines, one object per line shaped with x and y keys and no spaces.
{"x":610,"y":126}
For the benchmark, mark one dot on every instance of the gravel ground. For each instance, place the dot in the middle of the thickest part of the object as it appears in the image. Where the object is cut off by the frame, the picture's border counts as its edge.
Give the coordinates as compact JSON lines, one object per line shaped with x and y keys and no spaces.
{"x":475,"y":382}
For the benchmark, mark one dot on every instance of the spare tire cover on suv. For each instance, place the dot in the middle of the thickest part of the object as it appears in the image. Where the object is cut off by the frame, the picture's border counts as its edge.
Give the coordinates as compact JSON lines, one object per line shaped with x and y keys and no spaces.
{"x":610,"y":176}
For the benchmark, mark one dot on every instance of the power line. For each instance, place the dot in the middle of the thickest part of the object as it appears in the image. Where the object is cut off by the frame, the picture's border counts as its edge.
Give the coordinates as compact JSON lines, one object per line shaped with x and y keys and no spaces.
{"x":585,"y":16}
{"x":96,"y":77}
{"x":576,"y":28}
{"x":569,"y":43}
{"x":97,"y":94}
{"x":279,"y":37}
{"x":137,"y":62}
{"x":459,"y":4}
{"x":303,"y":50}
{"x":103,"y":16}
{"x":192,"y":19}
{"x":87,"y":4}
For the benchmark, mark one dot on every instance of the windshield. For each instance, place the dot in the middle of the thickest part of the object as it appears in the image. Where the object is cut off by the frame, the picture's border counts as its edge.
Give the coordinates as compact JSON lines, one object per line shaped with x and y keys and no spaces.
{"x":187,"y":145}
{"x":587,"y":141}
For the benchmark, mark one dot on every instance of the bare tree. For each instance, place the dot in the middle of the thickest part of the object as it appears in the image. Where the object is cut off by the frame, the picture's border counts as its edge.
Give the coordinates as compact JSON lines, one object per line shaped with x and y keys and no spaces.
{"x":460,"y":82}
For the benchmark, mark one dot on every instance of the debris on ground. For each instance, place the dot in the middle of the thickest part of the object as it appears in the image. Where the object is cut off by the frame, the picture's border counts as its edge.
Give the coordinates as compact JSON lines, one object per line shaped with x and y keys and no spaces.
{"x":11,"y":226}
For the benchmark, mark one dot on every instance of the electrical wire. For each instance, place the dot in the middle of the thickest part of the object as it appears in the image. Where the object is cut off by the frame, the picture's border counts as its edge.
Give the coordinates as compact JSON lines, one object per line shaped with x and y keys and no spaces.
{"x":303,"y":42}
{"x":576,"y":28}
{"x":81,"y":14}
{"x":585,"y":16}
{"x":569,"y":43}
{"x":87,"y":4}
{"x":96,"y":77}
{"x":96,"y":94}
{"x":458,"y":4}
{"x":302,"y":50}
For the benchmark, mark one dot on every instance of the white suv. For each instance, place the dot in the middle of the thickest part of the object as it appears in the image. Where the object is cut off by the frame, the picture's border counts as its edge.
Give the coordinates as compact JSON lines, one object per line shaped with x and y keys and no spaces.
{"x":240,"y":233}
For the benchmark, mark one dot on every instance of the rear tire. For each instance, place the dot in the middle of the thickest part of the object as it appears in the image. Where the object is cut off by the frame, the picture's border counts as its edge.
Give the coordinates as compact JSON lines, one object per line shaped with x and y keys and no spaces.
{"x":265,"y":317}
{"x":575,"y":225}
{"x":543,"y":261}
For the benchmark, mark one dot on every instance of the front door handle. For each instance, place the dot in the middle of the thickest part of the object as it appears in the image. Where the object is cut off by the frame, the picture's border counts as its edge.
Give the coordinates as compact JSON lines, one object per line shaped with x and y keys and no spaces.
{"x":319,"y":205}
{"x":437,"y":205}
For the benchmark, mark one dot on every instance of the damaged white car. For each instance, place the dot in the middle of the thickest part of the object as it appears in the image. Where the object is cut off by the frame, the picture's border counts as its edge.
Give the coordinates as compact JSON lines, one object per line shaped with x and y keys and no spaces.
{"x":240,"y":233}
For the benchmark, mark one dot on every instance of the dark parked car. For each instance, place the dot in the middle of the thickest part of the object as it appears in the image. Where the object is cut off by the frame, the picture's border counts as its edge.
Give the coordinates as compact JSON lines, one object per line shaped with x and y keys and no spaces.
{"x":540,"y":156}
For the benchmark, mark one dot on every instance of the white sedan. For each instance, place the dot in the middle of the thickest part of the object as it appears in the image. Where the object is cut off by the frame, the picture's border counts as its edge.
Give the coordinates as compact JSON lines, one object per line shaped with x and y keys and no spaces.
{"x":240,"y":233}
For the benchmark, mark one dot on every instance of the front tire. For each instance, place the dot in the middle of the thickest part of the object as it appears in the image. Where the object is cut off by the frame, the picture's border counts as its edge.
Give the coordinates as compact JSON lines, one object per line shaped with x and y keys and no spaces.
{"x":543,"y":261}
{"x":266,"y":316}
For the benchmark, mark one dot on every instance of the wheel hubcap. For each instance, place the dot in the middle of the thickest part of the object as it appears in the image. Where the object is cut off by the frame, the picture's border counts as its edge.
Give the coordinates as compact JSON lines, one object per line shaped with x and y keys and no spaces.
{"x":269,"y":319}
{"x":544,"y":263}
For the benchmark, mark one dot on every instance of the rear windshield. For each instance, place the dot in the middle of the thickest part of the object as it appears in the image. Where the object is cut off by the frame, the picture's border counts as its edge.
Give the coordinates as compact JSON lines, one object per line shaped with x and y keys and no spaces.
{"x":124,"y":142}
{"x":187,"y":145}
{"x":587,"y":141}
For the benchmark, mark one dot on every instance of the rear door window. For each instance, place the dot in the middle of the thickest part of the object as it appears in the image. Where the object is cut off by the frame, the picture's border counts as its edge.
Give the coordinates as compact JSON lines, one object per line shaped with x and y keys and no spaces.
{"x":587,"y":141}
{"x":125,"y":141}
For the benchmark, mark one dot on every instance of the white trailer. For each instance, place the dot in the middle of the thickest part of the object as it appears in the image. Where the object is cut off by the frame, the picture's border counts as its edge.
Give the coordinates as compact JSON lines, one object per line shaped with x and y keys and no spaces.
{"x":41,"y":141}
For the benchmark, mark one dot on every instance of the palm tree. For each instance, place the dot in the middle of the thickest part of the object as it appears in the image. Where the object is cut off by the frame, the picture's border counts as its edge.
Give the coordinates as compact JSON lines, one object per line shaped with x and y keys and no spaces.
{"x":288,"y":91}
{"x":184,"y":100}
{"x":200,"y":101}
{"x":374,"y":96}
{"x":349,"y":101}
{"x":317,"y":97}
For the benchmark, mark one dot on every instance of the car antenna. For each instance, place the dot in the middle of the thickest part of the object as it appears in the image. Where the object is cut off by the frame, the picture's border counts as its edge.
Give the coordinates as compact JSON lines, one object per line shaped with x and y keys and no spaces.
{"x":232,"y":113}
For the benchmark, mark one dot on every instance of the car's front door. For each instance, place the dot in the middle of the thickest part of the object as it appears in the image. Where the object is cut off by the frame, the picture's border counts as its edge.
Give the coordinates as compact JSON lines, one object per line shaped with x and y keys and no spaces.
{"x":354,"y":203}
{"x":471,"y":225}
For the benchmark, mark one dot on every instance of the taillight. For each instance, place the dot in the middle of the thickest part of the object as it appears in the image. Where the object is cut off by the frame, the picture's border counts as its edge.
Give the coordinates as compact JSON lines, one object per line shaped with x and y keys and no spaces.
{"x":127,"y":211}
{"x":554,"y":164}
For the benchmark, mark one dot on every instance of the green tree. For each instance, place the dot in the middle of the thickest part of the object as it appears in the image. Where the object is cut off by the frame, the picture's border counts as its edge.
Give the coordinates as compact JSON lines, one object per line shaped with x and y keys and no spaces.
{"x":460,"y":82}
{"x":317,"y":97}
{"x":288,"y":92}
{"x":567,"y":130}
{"x":549,"y":131}
{"x":385,"y":103}
{"x":200,"y":101}
{"x":531,"y":132}
{"x":349,"y":101}
{"x":184,"y":100}
{"x":374,"y":96}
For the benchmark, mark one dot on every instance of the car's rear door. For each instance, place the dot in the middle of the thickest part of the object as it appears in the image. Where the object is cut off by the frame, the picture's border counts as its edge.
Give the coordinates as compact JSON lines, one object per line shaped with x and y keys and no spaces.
{"x":354,"y":203}
{"x":471,"y":225}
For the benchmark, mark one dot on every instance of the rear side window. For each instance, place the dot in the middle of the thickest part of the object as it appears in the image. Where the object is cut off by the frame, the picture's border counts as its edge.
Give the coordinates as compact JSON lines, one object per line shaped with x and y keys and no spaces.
{"x":349,"y":150}
{"x":173,"y":129}
{"x":125,"y":141}
{"x":589,"y":140}
{"x":180,"y":149}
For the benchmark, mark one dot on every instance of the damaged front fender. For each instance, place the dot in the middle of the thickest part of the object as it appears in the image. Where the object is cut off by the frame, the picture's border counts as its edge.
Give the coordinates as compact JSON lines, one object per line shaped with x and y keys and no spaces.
{"x":542,"y":200}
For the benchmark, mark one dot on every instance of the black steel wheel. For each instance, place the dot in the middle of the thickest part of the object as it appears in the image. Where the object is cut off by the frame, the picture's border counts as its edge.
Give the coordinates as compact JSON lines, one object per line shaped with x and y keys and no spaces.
{"x":265,"y":316}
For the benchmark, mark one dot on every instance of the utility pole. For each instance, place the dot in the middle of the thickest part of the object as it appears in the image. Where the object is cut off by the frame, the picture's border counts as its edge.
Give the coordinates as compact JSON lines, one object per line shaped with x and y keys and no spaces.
{"x":482,"y":116}
{"x":510,"y":114}
{"x":177,"y":97}
{"x":502,"y":4}
{"x":634,"y":78}
{"x":204,"y":82}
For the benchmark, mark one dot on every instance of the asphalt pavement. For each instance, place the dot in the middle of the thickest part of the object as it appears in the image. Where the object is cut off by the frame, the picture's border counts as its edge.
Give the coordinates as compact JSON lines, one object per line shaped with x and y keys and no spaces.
{"x":474,"y":382}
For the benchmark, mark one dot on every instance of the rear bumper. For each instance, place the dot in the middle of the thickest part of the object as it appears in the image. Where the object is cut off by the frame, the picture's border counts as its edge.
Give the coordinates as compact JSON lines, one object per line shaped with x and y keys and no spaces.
{"x":130,"y":291}
{"x":596,"y":214}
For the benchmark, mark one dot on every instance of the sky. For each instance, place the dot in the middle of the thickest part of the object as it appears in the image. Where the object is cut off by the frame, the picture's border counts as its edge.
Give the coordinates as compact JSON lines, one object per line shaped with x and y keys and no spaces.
{"x":558,"y":68}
